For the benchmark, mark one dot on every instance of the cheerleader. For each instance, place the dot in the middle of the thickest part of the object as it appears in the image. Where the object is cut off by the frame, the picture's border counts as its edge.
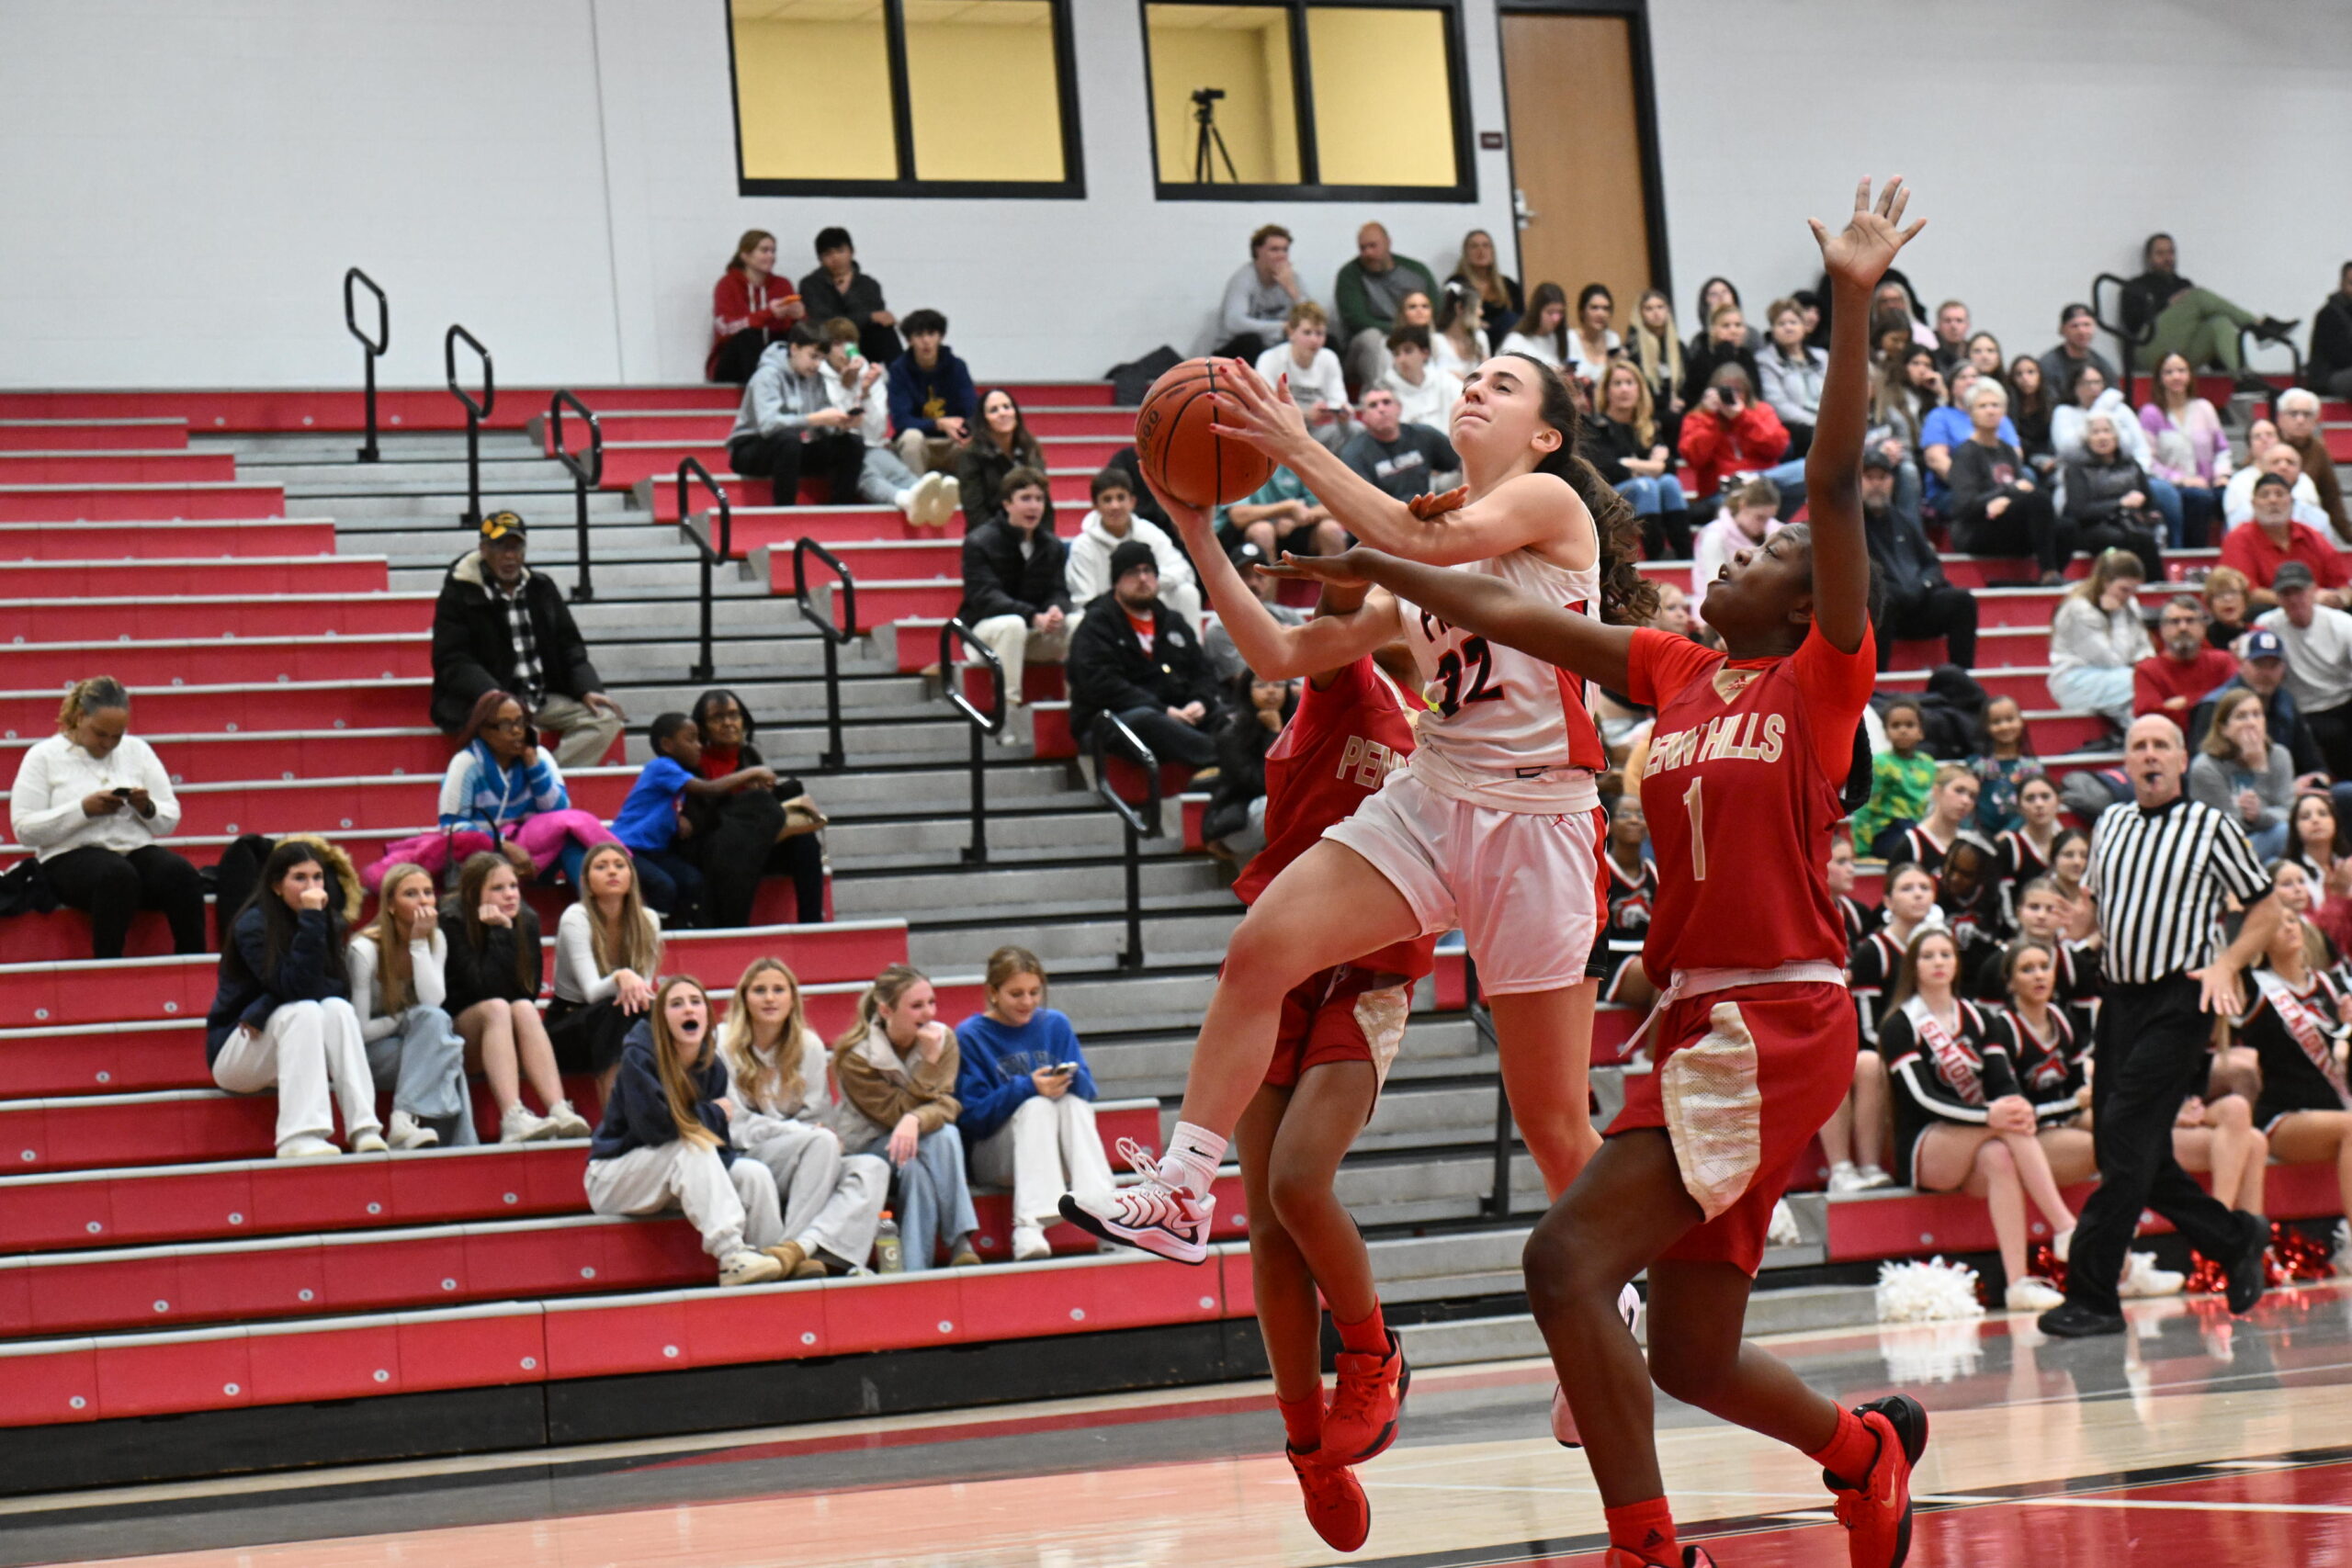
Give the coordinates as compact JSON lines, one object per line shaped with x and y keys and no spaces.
{"x":1633,"y":890}
{"x":2295,"y":1023}
{"x":1860,"y":918}
{"x":1968,"y":890}
{"x":2025,"y":850}
{"x":1951,"y":811}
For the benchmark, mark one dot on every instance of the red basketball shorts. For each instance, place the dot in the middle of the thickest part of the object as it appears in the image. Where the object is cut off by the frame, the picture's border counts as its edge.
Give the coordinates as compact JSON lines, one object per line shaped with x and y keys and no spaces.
{"x":1340,"y":1014}
{"x":1743,"y":1079}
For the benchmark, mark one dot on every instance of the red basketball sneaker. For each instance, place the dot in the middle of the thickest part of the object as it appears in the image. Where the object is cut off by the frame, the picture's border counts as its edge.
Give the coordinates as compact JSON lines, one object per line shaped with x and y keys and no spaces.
{"x":1691,"y":1558}
{"x":1877,"y":1511}
{"x":1362,"y":1421}
{"x":1335,"y":1500}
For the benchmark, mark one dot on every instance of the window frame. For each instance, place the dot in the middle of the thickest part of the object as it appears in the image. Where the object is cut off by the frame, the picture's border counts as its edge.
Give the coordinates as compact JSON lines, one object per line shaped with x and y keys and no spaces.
{"x":1310,"y":187}
{"x":1070,"y":187}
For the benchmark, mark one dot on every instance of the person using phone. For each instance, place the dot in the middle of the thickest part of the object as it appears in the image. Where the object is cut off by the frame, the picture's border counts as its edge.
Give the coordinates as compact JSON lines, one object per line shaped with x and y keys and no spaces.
{"x":1730,"y":435}
{"x":1028,"y":1101}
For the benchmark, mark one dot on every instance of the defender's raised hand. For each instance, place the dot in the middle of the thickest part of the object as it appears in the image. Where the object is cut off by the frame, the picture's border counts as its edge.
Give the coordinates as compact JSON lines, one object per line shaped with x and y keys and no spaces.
{"x":1866,"y":247}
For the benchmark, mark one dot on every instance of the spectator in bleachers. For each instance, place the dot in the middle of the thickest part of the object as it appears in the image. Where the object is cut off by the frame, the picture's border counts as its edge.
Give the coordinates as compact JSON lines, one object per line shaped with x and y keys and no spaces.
{"x":778,"y":1073}
{"x":1714,"y":294}
{"x":91,"y":801}
{"x":2033,"y":404}
{"x":2109,"y":497}
{"x":398,"y":970}
{"x":2298,"y":411}
{"x":1909,"y":390}
{"x":839,"y":287}
{"x":856,"y":385}
{"x":1133,"y":658}
{"x":932,"y":403}
{"x":2318,"y":639}
{"x":1281,"y":514}
{"x":1461,"y":343}
{"x":1997,"y":507}
{"x":1001,"y":444}
{"x":2184,"y":318}
{"x":2228,"y":609}
{"x":1234,"y":827}
{"x":500,"y":626}
{"x":2097,"y":638}
{"x":494,"y":965}
{"x":1750,"y":515}
{"x":2004,"y":764}
{"x":1656,"y":347}
{"x":501,"y":791}
{"x":1016,"y":593}
{"x":2263,"y":545}
{"x":2240,"y":771}
{"x":2262,"y":669}
{"x":1727,"y":342}
{"x":2076,"y":329}
{"x":2191,"y":451}
{"x":1961,"y":1124}
{"x":1425,"y":394}
{"x":746,"y":306}
{"x":1952,"y":336}
{"x":2315,"y":841}
{"x":896,"y":1068}
{"x":1889,"y":339}
{"x":1901,"y":778}
{"x":1255,"y":313}
{"x":1894,"y":293}
{"x":1945,"y":427}
{"x":663,"y":1140}
{"x":650,"y":824}
{"x":1399,"y":460}
{"x":2070,"y":430}
{"x":2184,"y":667}
{"x":754,"y":830}
{"x":1217,"y":642}
{"x":2294,"y":1018}
{"x":281,"y":1015}
{"x":789,"y":428}
{"x":1543,"y":332}
{"x":1985,"y":352}
{"x":608,"y":957}
{"x":1499,"y":299}
{"x":1317,"y":384}
{"x":1028,"y":1099}
{"x":1729,"y":435}
{"x":1625,"y":442}
{"x":1366,"y":295}
{"x":2327,"y":368}
{"x":1111,"y":523}
{"x":1592,"y":341}
{"x":1790,"y":373}
{"x":2274,"y":456}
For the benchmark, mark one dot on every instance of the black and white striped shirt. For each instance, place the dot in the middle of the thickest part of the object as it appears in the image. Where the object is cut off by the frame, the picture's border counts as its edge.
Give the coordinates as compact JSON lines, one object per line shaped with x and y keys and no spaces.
{"x":2160,"y":877}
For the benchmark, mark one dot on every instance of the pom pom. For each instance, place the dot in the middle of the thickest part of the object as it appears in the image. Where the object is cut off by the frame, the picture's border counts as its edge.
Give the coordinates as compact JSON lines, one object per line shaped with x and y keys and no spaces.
{"x":1784,"y":1231}
{"x":1932,"y":1291}
{"x":2046,"y":1265}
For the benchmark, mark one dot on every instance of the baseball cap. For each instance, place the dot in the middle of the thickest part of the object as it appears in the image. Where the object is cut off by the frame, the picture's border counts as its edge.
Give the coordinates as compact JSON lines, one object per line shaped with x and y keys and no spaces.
{"x":2261,"y":643}
{"x":502,"y":525}
{"x":2292,"y":574}
{"x":2071,"y":312}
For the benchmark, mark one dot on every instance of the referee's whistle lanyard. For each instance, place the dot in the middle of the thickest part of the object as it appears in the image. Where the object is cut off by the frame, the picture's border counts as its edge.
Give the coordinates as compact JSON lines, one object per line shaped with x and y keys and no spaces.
{"x":1700,"y":982}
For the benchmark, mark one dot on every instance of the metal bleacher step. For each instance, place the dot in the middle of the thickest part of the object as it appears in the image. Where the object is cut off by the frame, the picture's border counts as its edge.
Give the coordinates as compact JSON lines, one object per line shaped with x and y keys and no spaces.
{"x":1168,"y":936}
{"x":1067,"y":888}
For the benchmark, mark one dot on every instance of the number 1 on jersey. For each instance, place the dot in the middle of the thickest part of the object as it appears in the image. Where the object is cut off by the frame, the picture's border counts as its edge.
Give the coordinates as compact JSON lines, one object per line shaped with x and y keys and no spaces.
{"x":1694,"y":803}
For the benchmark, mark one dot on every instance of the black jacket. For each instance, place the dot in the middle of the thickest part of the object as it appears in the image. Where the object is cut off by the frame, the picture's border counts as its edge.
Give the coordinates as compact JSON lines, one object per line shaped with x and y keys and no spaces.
{"x":251,"y":987}
{"x":1703,"y":356}
{"x":490,"y":975}
{"x":473,"y":648}
{"x":998,"y":580}
{"x":637,"y":1113}
{"x":1906,"y":561}
{"x":1111,"y":671}
{"x":2095,"y":491}
{"x":980,"y":469}
{"x":2331,"y":340}
{"x":858,"y":302}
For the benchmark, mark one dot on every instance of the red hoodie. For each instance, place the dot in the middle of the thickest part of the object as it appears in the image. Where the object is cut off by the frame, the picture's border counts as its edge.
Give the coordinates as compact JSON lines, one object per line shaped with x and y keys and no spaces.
{"x":1714,"y":447}
{"x":736,"y":305}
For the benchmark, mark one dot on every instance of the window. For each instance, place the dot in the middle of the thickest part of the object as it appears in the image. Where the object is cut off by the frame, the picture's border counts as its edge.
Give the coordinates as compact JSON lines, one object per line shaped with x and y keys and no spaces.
{"x":1333,"y":99}
{"x":904,"y":97}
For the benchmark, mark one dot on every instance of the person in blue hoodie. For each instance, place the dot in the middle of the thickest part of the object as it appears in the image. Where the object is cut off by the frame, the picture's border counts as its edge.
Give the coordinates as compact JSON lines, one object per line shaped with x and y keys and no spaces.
{"x":652,"y":829}
{"x":932,"y":402}
{"x":663,"y":1141}
{"x":1028,"y":1102}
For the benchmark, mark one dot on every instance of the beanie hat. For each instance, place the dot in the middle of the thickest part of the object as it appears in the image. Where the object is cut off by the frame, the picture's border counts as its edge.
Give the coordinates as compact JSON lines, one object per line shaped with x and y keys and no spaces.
{"x":1129,"y":553}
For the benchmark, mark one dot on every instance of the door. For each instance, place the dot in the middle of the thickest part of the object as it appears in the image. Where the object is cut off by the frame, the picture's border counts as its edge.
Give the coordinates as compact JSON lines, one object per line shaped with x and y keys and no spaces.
{"x":1575,"y":135}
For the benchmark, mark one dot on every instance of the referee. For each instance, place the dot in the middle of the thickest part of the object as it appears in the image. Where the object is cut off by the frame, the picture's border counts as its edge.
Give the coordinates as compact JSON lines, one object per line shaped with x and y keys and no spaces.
{"x":2159,"y":870}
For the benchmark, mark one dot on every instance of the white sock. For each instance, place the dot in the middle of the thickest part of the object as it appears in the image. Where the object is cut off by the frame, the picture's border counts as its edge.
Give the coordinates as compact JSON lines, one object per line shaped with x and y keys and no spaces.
{"x":1192,"y":1159}
{"x":904,"y":500}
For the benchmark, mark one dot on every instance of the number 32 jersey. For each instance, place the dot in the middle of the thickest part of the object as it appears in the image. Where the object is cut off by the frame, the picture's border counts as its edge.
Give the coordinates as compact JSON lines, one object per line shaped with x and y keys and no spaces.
{"x":1506,"y":729}
{"x":1741,"y":789}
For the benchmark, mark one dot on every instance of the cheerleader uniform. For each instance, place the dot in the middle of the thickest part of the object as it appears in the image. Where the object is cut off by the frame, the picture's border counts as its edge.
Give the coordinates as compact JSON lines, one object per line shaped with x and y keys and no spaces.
{"x":2298,"y":1037}
{"x":1941,"y":1075}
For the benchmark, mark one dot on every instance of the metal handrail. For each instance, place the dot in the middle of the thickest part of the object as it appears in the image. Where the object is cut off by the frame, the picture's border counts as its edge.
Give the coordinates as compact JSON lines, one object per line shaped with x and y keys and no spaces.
{"x":475,"y":413}
{"x":1107,"y":728}
{"x":2245,"y":360}
{"x":725,"y":551}
{"x":585,"y":477}
{"x":1495,"y":1204}
{"x":375,"y":345}
{"x":983,"y":724}
{"x":2125,"y":340}
{"x":831,"y":761}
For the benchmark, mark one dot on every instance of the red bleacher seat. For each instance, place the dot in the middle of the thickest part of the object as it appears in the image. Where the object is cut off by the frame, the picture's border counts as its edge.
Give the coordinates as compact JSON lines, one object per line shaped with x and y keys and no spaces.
{"x":93,"y":434}
{"x":91,"y":502}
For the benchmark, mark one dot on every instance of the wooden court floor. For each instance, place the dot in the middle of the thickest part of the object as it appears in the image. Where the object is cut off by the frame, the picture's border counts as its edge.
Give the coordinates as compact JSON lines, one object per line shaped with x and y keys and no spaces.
{"x":2192,"y":1441}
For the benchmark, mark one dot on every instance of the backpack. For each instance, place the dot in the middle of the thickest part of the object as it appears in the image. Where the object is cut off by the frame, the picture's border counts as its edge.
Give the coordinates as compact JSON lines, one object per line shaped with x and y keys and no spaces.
{"x":1130,"y":382}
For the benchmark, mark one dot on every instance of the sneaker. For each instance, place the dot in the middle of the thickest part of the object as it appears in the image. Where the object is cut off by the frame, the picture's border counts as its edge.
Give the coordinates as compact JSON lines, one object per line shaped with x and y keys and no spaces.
{"x":926,"y":512}
{"x":519,"y":1126}
{"x":1873,"y":1179}
{"x":308,"y":1148}
{"x":1876,"y":1509}
{"x":2142,"y":1279}
{"x":1844,"y":1177}
{"x":964,"y":1258}
{"x":1149,"y":1214}
{"x":749,"y":1267}
{"x":369,"y":1141}
{"x":2033,"y":1294}
{"x":2075,"y":1320}
{"x":566,"y":1122}
{"x":407,"y":1132}
{"x":1620,"y":1558}
{"x":1362,"y":1421}
{"x":1029,"y":1242}
{"x":951,"y":497}
{"x":790,"y":1255}
{"x":2246,"y":1277}
{"x":1564,"y":1420}
{"x":1784,"y":1230}
{"x":1335,"y":1500}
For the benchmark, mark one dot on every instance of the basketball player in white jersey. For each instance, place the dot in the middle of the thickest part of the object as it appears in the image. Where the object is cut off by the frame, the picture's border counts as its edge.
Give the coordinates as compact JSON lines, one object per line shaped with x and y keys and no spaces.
{"x":1494,"y":826}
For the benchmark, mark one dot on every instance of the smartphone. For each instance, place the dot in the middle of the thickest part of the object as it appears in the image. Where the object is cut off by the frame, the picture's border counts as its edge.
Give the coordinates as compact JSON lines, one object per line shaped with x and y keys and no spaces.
{"x":1066,"y":1068}
{"x":121,"y":793}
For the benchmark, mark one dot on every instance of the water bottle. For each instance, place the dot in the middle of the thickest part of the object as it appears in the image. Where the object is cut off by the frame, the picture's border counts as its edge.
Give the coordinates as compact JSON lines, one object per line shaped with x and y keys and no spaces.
{"x":887,"y":1259}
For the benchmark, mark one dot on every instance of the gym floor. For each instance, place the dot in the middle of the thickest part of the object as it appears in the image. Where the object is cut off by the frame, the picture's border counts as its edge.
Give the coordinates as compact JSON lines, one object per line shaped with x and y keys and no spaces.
{"x":2192,"y":1439}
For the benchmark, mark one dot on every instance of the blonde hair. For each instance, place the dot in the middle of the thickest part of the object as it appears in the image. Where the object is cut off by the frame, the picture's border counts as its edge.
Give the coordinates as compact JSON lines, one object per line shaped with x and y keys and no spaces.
{"x":393,"y":978}
{"x":1654,"y":350}
{"x":86,"y":697}
{"x":680,"y":1091}
{"x":1645,"y":420}
{"x":1006,"y":963}
{"x":777,"y":1084}
{"x":888,"y":986}
{"x":1306,"y":312}
{"x":2112,"y":567}
{"x":640,"y":941}
{"x":1946,"y":771}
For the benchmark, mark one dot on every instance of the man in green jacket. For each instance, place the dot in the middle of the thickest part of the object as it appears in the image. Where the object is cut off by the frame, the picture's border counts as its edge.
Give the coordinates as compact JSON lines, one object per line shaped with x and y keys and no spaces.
{"x":1368,"y":291}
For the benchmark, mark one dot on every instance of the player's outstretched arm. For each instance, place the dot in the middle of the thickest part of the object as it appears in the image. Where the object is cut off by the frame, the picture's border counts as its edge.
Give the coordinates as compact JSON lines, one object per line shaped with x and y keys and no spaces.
{"x":1485,"y":606}
{"x":1855,"y":259}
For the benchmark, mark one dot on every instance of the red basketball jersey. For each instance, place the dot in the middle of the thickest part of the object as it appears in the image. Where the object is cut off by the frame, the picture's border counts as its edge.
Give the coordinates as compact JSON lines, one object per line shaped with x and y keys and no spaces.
{"x":1336,"y":749}
{"x":1741,"y":790}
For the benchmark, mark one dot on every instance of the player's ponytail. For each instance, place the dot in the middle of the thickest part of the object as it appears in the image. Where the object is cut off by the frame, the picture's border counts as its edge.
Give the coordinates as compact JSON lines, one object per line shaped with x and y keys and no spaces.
{"x":1627,"y":598}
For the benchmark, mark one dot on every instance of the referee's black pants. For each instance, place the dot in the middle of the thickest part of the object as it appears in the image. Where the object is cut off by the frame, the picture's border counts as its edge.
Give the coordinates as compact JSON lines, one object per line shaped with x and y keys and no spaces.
{"x":2150,"y":1056}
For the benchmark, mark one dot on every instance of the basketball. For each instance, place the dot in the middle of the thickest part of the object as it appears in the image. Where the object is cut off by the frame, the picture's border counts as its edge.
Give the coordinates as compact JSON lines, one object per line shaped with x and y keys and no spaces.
{"x":1178,"y":451}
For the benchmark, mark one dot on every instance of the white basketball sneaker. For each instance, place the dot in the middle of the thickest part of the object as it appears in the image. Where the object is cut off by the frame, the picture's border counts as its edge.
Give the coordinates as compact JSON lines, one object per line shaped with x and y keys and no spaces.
{"x":1564,"y":1420}
{"x":1152,"y":1214}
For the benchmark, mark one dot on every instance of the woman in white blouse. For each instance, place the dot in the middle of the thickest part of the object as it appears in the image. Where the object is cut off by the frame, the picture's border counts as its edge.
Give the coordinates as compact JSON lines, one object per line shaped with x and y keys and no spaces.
{"x":91,"y":801}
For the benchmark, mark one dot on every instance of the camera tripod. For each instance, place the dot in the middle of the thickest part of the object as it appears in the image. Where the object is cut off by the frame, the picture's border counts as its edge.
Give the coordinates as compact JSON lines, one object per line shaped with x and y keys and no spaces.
{"x":1208,"y":137}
